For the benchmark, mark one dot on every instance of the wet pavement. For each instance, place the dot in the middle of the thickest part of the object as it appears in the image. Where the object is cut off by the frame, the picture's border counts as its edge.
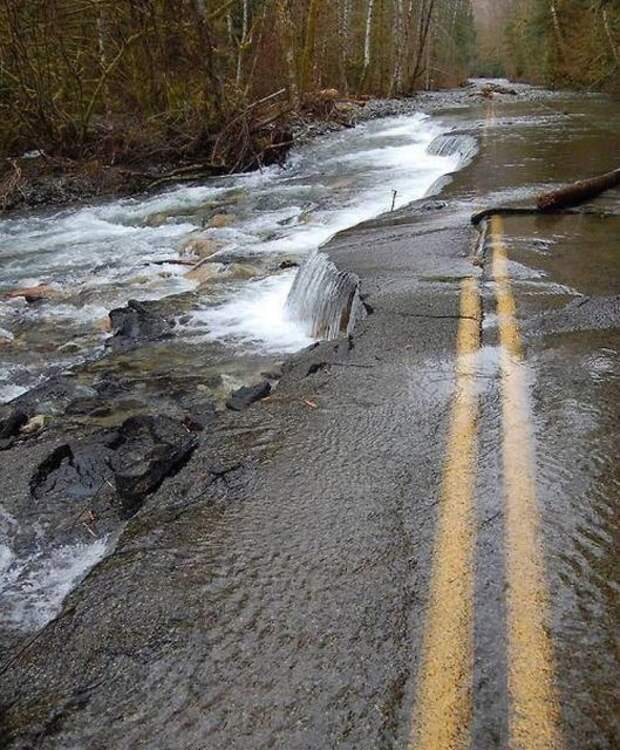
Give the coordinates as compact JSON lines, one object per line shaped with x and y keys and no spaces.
{"x":413,"y":542}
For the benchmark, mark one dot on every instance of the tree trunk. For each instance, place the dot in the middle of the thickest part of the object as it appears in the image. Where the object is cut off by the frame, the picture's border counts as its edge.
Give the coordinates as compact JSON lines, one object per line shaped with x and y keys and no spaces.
{"x":288,"y":39}
{"x":309,"y":44}
{"x":429,"y":57}
{"x":242,"y":41}
{"x":345,"y":37}
{"x":102,"y":45}
{"x":578,"y":192}
{"x":610,"y":37}
{"x":396,"y":84}
{"x":367,"y":41}
{"x":213,"y":83}
{"x":557,"y":29}
{"x":425,"y":23}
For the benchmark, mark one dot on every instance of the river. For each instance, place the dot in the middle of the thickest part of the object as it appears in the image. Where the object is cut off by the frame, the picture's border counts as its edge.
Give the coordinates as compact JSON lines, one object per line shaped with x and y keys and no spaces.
{"x":95,"y":258}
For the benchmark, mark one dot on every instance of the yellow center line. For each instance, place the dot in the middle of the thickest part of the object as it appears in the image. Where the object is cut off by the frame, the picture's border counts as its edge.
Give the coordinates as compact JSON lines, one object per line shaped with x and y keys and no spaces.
{"x":443,"y":701}
{"x":534,"y":716}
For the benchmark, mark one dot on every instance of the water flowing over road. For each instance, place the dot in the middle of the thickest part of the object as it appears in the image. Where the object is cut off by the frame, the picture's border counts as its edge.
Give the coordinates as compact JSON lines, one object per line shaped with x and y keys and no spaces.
{"x":411,"y":542}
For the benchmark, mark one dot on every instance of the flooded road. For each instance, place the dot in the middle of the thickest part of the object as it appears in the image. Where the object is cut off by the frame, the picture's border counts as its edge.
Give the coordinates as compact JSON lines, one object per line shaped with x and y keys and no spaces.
{"x":413,"y":542}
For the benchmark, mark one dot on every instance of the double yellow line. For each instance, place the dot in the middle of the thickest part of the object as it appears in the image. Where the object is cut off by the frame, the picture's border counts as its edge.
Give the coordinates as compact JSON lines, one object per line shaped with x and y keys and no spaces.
{"x":443,"y":704}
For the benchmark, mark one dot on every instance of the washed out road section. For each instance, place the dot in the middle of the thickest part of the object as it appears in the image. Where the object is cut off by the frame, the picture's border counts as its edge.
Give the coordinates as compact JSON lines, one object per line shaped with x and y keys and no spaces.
{"x":277,"y":590}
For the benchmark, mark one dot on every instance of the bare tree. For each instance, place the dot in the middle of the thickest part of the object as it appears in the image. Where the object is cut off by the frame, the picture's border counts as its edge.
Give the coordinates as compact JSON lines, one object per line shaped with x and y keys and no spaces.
{"x":367,"y":40}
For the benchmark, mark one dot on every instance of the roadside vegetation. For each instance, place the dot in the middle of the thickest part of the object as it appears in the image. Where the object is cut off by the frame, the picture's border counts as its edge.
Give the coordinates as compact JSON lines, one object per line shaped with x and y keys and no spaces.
{"x":131,"y":79}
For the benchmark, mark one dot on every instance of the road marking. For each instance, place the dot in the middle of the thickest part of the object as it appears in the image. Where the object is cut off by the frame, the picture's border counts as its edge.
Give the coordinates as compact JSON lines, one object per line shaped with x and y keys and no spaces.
{"x":443,"y":701}
{"x":534,"y":716}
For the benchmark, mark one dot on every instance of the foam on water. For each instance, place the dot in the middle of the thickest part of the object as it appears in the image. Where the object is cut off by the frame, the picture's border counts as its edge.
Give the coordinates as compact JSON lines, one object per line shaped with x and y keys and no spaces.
{"x":254,"y":317}
{"x":364,"y":181}
{"x":33,"y":588}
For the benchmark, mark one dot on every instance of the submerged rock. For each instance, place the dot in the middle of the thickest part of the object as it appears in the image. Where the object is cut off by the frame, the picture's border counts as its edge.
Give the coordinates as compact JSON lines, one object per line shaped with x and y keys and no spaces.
{"x":33,"y":293}
{"x":218,"y":221}
{"x":201,"y":247}
{"x":244,"y":397}
{"x":50,"y":398}
{"x":204,"y":272}
{"x":207,"y":272}
{"x":138,"y":321}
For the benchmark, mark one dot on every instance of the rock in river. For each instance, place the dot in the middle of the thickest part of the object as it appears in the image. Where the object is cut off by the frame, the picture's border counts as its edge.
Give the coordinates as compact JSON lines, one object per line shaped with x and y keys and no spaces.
{"x":139,"y":321}
{"x":137,"y":457}
{"x":243,"y":397}
{"x":201,"y":246}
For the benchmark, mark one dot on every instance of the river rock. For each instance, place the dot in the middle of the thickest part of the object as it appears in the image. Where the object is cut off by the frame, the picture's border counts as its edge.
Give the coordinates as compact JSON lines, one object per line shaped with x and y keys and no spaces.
{"x":50,"y":398}
{"x":204,"y":272}
{"x":244,"y":397}
{"x":11,"y":422}
{"x":94,"y":406}
{"x":207,"y":272}
{"x":201,"y":247}
{"x":72,"y":471}
{"x":218,"y":221}
{"x":242,"y":271}
{"x":33,"y":293}
{"x":135,"y":459}
{"x":287,"y":263}
{"x":157,"y":219}
{"x":35,"y":424}
{"x":139,"y":321}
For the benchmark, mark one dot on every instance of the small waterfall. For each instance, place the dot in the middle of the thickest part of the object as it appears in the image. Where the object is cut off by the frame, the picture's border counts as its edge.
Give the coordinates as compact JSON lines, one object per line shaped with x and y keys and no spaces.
{"x":325,"y":299}
{"x":463,"y":144}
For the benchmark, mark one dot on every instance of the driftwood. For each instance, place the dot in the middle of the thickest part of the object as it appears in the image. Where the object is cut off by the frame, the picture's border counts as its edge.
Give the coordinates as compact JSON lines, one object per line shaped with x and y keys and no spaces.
{"x":578,"y":192}
{"x":171,"y":261}
{"x":480,"y":216}
{"x":560,"y":201}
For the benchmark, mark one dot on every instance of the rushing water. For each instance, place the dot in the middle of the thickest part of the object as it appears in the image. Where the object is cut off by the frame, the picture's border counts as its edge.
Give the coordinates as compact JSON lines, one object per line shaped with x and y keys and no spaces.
{"x":95,"y":258}
{"x":241,"y":302}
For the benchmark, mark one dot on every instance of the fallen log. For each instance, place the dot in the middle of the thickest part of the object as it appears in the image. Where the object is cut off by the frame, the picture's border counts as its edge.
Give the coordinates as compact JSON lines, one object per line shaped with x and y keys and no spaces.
{"x":578,"y":192}
{"x":481,"y":216}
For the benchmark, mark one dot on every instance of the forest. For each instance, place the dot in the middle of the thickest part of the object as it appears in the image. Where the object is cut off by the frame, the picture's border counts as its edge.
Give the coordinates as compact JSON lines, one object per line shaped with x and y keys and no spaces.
{"x":558,"y":43}
{"x":128,"y":80}
{"x":131,"y":76}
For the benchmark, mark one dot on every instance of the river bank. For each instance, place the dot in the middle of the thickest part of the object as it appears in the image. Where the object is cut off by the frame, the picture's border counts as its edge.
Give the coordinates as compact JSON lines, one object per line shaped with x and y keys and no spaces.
{"x":37,"y":181}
